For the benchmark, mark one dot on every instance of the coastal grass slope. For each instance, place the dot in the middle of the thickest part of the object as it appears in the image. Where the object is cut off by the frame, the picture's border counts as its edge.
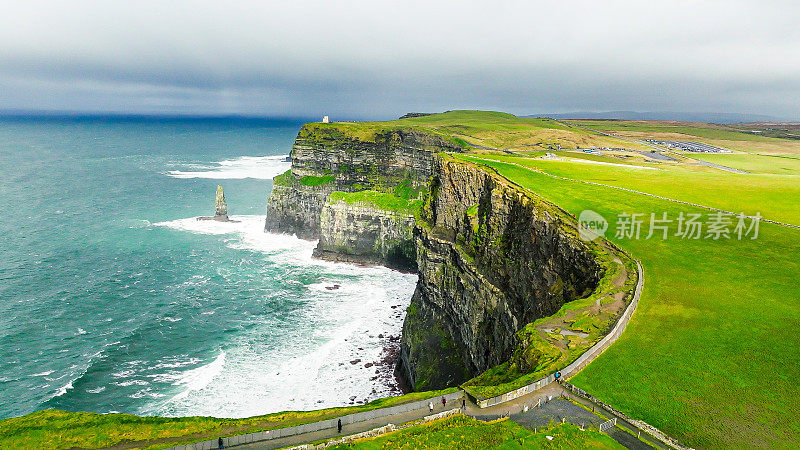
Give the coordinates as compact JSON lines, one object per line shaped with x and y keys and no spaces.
{"x":705,"y":357}
{"x":473,"y":130}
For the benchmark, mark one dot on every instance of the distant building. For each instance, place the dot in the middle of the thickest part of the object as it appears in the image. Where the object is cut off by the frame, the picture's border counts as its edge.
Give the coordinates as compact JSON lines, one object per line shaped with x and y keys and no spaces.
{"x":325,"y":119}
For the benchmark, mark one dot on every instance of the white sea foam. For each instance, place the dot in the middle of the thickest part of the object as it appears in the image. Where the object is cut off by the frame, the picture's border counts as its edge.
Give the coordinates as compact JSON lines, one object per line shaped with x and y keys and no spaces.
{"x":250,"y":230}
{"x":310,"y":367}
{"x":258,"y":167}
{"x":199,"y":378}
{"x":63,"y":390}
{"x":42,"y":374}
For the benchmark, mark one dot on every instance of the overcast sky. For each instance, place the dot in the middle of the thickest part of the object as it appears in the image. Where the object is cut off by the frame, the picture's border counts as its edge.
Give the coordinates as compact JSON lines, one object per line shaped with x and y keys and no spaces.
{"x":377,"y":59}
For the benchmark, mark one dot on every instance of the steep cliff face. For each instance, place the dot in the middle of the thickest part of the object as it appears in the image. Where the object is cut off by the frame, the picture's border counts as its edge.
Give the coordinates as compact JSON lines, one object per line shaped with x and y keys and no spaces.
{"x":345,"y":157}
{"x":491,"y":259}
{"x":364,"y":233}
{"x":294,"y":207}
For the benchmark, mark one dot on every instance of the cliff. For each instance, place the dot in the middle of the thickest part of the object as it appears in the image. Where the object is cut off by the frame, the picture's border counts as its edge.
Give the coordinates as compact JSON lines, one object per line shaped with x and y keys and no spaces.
{"x":363,"y":232}
{"x":347,"y":157}
{"x":491,"y":259}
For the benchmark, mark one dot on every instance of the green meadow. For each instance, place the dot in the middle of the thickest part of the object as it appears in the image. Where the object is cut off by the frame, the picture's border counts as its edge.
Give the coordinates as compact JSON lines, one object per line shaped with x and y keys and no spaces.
{"x":478,"y":129}
{"x":774,"y":196}
{"x":760,"y":164}
{"x":707,"y":357}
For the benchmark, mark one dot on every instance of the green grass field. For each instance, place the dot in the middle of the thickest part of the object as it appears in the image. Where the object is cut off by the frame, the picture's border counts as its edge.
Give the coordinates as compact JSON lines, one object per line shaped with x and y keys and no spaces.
{"x":467,"y":433}
{"x":707,"y":355}
{"x":779,"y":165}
{"x":484,"y":129}
{"x":774,"y":196}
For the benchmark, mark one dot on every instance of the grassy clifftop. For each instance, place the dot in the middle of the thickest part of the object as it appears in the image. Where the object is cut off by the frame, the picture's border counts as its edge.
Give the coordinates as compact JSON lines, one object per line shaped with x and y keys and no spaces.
{"x":469,"y":130}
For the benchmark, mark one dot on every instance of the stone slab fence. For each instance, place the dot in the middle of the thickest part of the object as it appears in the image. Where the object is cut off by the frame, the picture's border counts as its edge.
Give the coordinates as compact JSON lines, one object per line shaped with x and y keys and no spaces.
{"x":582,"y":360}
{"x":363,"y":416}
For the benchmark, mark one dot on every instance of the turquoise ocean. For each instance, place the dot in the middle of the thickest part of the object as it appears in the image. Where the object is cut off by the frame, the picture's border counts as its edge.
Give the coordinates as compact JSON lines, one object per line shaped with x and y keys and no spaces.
{"x":114,"y":298}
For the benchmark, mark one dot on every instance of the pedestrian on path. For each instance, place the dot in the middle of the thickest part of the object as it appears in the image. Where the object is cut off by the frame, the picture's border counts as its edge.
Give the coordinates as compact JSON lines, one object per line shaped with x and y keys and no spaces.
{"x":339,"y":425}
{"x":444,"y":402}
{"x":430,"y":406}
{"x":220,"y":444}
{"x":463,"y":403}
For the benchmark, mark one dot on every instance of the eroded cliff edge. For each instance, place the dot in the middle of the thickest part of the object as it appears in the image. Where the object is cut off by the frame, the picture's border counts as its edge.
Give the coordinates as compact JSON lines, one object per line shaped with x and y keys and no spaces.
{"x":491,"y":256}
{"x":491,"y":259}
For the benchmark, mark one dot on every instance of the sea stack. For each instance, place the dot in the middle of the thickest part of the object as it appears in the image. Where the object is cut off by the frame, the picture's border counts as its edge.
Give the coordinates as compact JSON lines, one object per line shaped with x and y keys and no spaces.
{"x":220,"y":208}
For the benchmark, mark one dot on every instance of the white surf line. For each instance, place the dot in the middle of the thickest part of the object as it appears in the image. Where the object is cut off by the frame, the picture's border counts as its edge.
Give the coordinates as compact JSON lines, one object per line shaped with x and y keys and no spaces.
{"x":697,"y":205}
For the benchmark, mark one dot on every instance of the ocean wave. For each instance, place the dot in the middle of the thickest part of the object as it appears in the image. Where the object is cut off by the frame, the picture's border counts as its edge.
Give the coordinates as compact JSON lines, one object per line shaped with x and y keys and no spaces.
{"x":258,"y":167}
{"x":327,"y":350}
{"x":327,"y":357}
{"x":250,"y":229}
{"x":200,"y":377}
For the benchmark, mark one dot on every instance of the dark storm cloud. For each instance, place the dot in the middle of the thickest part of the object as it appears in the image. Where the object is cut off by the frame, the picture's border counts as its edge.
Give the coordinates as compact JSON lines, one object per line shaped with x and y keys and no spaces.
{"x":379,"y":59}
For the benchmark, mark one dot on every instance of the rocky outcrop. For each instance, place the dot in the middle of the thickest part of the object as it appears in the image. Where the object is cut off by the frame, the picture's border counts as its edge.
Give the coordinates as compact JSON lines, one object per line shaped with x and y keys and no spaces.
{"x":220,"y":207}
{"x":366,"y":234}
{"x":491,"y":259}
{"x":294,"y":208}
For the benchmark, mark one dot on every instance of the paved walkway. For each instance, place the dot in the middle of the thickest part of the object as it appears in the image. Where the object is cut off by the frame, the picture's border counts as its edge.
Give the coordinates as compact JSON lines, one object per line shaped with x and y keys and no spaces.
{"x":561,"y":410}
{"x":354,"y":428}
{"x":551,"y":408}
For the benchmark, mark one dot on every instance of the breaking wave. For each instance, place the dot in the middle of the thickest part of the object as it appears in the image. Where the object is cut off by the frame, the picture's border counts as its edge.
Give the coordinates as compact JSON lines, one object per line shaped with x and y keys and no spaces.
{"x":257,"y":167}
